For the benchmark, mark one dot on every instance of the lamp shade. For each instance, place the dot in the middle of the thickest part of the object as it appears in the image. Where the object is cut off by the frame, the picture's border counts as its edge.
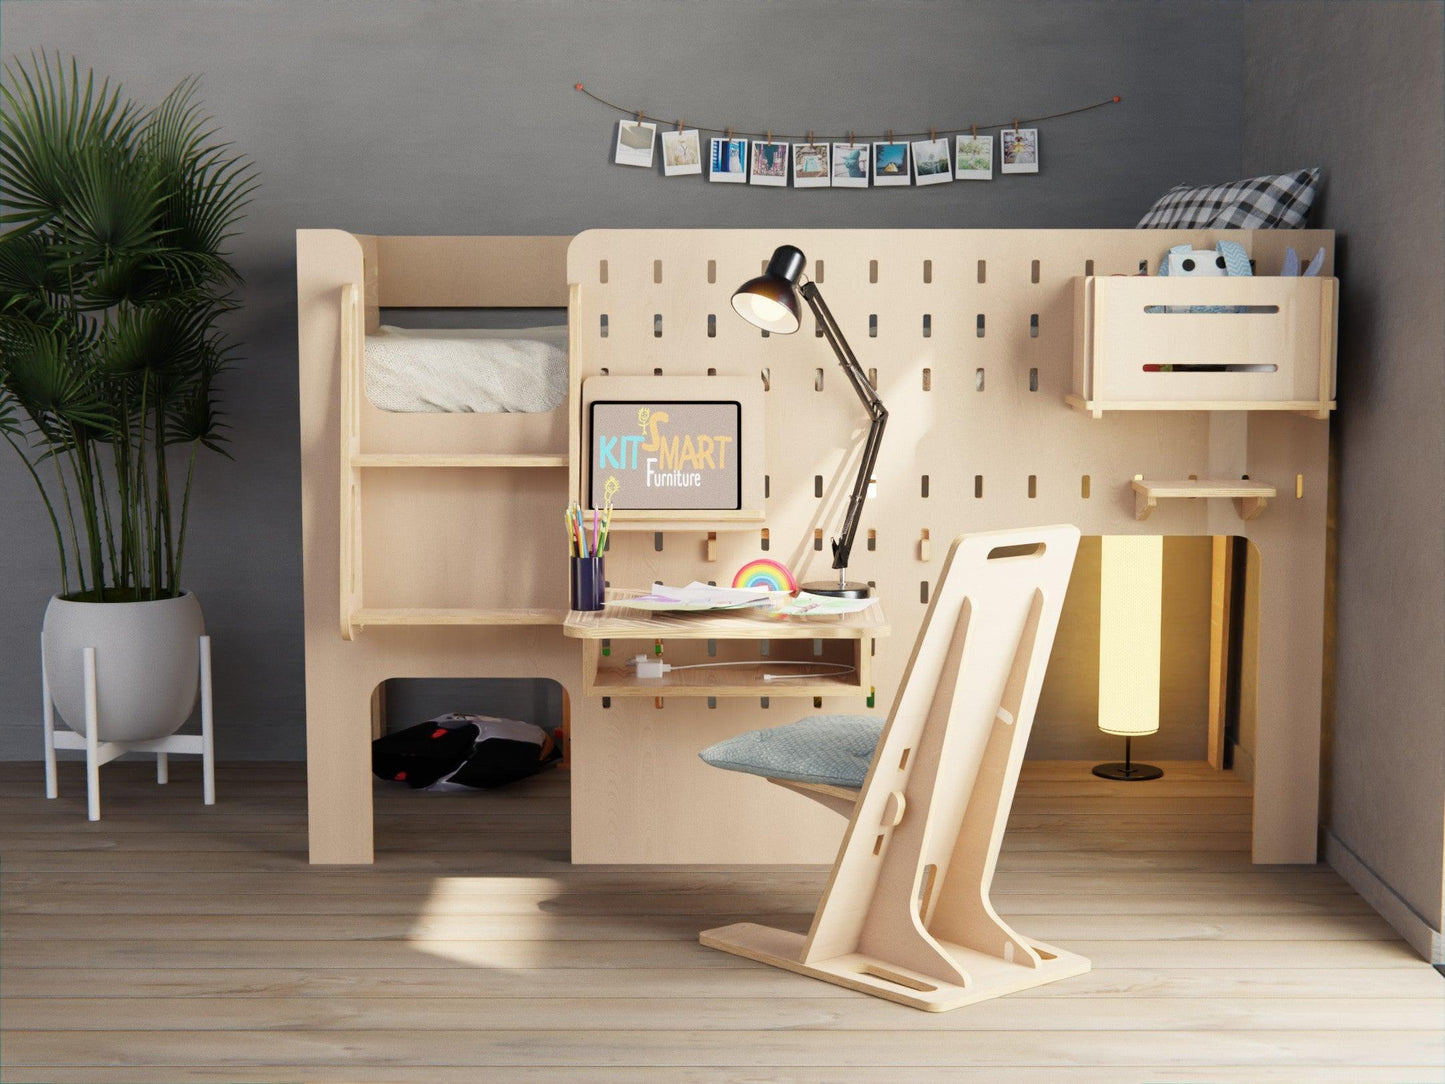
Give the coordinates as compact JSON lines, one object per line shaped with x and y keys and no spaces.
{"x":1131,"y":581}
{"x":770,"y":301}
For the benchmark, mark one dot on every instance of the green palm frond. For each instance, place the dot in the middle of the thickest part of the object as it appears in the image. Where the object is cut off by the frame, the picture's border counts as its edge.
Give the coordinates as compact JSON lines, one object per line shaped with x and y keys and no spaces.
{"x":195,"y":418}
{"x":30,"y":272}
{"x":165,"y":339}
{"x":39,"y":370}
{"x":207,"y":185}
{"x":51,"y":121}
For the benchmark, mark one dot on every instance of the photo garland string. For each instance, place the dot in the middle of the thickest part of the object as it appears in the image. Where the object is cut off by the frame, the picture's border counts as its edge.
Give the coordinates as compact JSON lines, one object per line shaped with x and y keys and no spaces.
{"x":907,"y":158}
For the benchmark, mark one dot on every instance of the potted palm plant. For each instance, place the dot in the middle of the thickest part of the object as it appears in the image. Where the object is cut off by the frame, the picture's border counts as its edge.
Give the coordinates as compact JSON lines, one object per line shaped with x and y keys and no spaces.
{"x":114,"y":279}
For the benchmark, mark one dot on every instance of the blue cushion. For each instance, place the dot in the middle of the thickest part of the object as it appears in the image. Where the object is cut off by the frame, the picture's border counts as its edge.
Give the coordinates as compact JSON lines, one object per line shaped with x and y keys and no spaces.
{"x":834,"y":749}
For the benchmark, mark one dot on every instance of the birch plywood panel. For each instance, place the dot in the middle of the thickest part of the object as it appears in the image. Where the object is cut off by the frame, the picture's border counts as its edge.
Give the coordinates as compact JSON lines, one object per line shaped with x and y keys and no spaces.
{"x":971,"y":336}
{"x":1151,"y":343}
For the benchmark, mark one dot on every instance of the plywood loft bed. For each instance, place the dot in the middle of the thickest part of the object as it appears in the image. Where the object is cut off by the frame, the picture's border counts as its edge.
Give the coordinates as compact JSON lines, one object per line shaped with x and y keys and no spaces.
{"x":1013,"y":367}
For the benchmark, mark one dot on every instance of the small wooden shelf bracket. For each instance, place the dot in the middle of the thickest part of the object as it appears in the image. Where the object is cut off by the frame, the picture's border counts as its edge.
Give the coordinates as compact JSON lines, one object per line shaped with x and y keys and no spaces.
{"x":1250,"y":498}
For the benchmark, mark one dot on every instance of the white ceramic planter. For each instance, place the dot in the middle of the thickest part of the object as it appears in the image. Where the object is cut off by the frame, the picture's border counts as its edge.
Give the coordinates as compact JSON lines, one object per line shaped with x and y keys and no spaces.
{"x":145,"y":661}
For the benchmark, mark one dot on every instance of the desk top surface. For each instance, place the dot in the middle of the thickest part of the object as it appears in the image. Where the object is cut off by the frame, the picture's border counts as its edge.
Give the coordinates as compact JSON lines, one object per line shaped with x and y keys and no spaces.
{"x":755,"y":624}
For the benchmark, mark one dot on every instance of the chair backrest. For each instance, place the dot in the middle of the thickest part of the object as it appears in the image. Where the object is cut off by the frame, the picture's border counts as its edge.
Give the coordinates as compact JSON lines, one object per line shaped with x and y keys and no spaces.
{"x":931,"y":814}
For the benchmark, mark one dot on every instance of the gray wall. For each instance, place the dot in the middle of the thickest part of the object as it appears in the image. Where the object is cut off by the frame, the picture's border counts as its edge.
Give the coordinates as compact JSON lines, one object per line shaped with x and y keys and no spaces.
{"x":452,"y":117}
{"x":1360,"y":88}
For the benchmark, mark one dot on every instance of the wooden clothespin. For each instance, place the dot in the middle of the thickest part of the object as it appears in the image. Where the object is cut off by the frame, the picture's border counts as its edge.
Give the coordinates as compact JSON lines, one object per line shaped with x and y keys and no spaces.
{"x":973,"y":131}
{"x":730,"y":133}
{"x":640,"y":116}
{"x":932,"y":134}
{"x":1016,"y":124}
{"x":850,"y":137}
{"x":810,"y":135}
{"x":890,"y":135}
{"x":770,"y":135}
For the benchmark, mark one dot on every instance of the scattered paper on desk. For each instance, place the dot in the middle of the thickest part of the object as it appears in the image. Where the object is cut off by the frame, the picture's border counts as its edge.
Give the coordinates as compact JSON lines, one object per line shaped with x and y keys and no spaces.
{"x":695,"y":598}
{"x":810,"y":605}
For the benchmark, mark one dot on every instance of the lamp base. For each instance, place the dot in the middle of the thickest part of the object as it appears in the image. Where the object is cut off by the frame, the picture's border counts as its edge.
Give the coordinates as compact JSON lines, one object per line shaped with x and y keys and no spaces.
{"x":1128,"y":772}
{"x":834,"y":589}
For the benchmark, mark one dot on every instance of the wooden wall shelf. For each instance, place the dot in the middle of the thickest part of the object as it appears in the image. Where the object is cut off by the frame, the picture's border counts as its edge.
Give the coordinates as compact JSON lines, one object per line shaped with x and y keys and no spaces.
{"x":1147,"y":343}
{"x":652,"y":519}
{"x":422,"y":616}
{"x":1249,"y":497}
{"x":498,"y":460}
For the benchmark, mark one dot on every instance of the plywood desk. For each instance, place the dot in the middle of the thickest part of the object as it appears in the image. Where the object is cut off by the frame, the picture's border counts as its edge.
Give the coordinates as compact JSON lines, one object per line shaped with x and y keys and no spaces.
{"x":752,"y":643}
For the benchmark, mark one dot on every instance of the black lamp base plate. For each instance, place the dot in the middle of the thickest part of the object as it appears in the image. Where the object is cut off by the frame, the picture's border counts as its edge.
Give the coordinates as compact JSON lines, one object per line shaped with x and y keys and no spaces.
{"x":1130,"y":773}
{"x":832,"y":589}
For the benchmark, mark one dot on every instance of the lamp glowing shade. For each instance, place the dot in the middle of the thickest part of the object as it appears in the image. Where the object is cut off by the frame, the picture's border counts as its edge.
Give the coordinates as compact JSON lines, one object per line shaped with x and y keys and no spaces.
{"x":770,"y":301}
{"x":765,"y":312}
{"x":1131,"y":580}
{"x":1131,"y":604}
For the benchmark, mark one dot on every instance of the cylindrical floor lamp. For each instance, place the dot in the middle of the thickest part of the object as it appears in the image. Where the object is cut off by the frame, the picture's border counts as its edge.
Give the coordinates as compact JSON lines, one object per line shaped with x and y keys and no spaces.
{"x":1131,"y":583}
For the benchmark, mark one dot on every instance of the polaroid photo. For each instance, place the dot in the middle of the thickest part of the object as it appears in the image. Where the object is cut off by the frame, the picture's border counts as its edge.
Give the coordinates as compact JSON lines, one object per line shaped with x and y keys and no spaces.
{"x":810,"y":165}
{"x":681,"y":153}
{"x":890,"y":164}
{"x":931,"y":163}
{"x":850,"y":165}
{"x":635,"y":140}
{"x":1020,"y":150}
{"x":974,"y":160}
{"x":770,"y":164}
{"x":729,"y":161}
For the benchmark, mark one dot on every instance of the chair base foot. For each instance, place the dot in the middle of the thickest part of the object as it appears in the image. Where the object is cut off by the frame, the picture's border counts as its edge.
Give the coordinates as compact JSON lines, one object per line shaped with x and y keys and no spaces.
{"x":992,"y":976}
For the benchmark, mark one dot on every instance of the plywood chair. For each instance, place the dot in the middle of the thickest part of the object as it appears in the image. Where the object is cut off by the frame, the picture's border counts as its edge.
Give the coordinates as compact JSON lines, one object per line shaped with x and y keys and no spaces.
{"x":906,"y":913}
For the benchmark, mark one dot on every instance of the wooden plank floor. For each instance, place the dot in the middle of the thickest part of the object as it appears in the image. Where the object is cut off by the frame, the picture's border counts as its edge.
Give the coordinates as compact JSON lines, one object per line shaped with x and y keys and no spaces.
{"x":171,"y":942}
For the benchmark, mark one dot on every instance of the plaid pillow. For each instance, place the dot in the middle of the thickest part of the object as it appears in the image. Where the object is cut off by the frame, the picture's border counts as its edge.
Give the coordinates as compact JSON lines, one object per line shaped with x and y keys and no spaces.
{"x":1260,"y":203}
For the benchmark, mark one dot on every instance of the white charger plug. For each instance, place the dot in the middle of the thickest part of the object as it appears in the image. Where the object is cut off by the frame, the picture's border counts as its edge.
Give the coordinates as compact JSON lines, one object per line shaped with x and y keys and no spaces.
{"x":650,"y":667}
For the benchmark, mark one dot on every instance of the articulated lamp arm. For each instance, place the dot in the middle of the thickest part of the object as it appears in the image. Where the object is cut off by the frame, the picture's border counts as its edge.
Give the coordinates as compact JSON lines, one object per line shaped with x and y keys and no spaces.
{"x":877,"y":413}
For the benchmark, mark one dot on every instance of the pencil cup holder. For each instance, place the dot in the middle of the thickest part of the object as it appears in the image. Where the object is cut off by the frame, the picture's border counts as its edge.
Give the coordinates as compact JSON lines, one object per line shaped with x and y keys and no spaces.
{"x":589,"y":583}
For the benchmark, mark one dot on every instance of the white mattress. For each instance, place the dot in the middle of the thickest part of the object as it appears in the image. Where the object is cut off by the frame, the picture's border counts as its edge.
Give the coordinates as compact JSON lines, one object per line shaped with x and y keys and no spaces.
{"x":467,"y":370}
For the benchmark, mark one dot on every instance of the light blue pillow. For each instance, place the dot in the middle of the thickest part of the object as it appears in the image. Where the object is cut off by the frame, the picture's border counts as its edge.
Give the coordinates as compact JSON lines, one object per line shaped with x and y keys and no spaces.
{"x":835,"y":749}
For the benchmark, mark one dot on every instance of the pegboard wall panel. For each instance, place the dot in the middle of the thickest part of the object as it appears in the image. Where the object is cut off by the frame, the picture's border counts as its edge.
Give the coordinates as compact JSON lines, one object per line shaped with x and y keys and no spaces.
{"x":970,"y":335}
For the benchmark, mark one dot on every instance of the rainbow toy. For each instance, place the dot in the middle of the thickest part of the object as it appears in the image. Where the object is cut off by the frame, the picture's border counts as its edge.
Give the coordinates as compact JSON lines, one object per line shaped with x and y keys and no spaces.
{"x":767,"y":574}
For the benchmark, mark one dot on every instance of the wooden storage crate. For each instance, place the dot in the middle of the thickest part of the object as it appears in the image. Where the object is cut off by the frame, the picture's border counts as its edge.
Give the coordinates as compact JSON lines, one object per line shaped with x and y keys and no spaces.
{"x":1150,"y":343}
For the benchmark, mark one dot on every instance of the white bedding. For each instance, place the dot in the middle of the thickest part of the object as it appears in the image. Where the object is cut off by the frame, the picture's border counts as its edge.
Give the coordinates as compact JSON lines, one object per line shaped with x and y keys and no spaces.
{"x":467,"y":370}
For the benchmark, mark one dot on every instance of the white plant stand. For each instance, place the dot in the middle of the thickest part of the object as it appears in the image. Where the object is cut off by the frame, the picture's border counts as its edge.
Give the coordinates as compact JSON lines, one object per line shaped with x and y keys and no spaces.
{"x":99,"y":752}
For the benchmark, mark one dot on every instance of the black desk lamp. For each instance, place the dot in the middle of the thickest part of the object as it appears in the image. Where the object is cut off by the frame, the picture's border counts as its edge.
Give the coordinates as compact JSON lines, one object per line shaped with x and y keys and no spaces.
{"x":770,"y":302}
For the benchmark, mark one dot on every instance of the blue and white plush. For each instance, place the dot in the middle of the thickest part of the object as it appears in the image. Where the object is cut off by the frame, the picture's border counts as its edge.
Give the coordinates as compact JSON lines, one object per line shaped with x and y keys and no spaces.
{"x":1228,"y":258}
{"x":835,"y":749}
